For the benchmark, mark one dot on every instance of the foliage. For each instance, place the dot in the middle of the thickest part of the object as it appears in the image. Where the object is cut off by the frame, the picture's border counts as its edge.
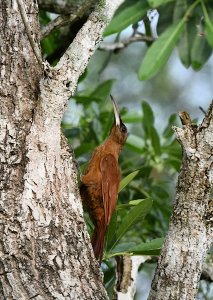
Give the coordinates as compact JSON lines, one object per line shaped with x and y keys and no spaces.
{"x":183,"y":23}
{"x":190,"y":29}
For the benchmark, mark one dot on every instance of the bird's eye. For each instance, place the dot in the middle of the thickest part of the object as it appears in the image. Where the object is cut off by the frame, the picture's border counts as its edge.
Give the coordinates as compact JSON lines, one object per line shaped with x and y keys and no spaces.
{"x":123,"y":128}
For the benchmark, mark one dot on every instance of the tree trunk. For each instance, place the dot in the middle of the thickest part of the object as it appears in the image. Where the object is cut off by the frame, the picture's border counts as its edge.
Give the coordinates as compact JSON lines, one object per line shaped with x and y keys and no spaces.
{"x":45,"y":249}
{"x":190,"y":233}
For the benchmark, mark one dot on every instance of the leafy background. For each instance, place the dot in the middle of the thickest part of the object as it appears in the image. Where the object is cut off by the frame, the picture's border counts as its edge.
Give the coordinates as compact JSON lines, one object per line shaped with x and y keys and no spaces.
{"x":151,"y":82}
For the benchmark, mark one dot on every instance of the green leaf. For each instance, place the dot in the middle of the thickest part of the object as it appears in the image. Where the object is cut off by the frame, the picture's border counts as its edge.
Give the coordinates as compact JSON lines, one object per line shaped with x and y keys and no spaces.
{"x":85,"y":99}
{"x":152,"y":247}
{"x":185,"y":42}
{"x":156,"y":3}
{"x":135,"y":143}
{"x":124,"y":247}
{"x":208,"y":25}
{"x":200,"y":52}
{"x":209,"y":32}
{"x":148,"y":116}
{"x":159,"y":52}
{"x":72,"y":132}
{"x":180,"y":7}
{"x":111,"y":229}
{"x":44,"y":17}
{"x":155,"y":140}
{"x":160,"y":191}
{"x":174,"y":162}
{"x":48,"y":44}
{"x":135,"y":215}
{"x":130,"y":204}
{"x":183,"y":45}
{"x":89,"y":223}
{"x":83,"y":76}
{"x":103,"y":90}
{"x":84,"y":148}
{"x":129,"y":15}
{"x":109,"y":278}
{"x":132,"y":118}
{"x":168,"y":132}
{"x":126,"y":180}
{"x":173,"y":149}
{"x":135,"y":202}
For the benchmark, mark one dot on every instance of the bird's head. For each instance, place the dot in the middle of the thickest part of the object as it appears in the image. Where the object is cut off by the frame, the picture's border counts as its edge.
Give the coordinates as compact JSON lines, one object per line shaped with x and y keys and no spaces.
{"x":118,"y":130}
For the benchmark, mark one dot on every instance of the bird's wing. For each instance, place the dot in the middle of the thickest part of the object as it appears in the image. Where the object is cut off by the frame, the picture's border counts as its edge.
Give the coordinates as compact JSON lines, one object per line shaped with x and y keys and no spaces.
{"x":110,"y":176}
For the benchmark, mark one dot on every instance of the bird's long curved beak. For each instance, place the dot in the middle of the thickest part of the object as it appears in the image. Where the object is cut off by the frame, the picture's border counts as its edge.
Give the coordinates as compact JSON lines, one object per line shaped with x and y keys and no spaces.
{"x":116,"y":112}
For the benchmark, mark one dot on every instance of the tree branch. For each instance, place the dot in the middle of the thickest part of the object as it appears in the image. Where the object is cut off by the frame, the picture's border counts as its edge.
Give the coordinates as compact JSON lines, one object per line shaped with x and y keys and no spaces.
{"x":62,"y":79}
{"x":190,"y":232}
{"x":123,"y":44}
{"x":63,"y":6}
{"x":66,"y":19}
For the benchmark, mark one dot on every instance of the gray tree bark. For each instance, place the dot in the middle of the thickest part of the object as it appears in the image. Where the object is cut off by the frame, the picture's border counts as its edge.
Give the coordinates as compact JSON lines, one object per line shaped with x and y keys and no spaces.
{"x":45,"y":251}
{"x":191,"y":226}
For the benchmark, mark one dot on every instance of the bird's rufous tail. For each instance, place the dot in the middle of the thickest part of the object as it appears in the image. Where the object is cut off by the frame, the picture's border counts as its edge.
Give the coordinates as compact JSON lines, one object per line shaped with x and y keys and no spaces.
{"x":98,"y":241}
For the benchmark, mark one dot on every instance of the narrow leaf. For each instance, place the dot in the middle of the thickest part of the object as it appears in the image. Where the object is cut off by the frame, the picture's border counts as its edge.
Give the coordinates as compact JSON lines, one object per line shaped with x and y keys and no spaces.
{"x":209,"y":32}
{"x":132,"y":118}
{"x":184,"y":45}
{"x":135,"y":202}
{"x":148,"y":116}
{"x":129,"y":204}
{"x":135,"y":215}
{"x":127,"y":180}
{"x":152,"y":247}
{"x":208,"y":24}
{"x":168,"y":132}
{"x":83,"y":76}
{"x":148,"y":248}
{"x":156,"y":3}
{"x":159,"y":52}
{"x":85,"y":99}
{"x":155,"y":140}
{"x":173,"y":149}
{"x":124,"y":247}
{"x":84,"y":148}
{"x":103,"y":90}
{"x":180,"y":7}
{"x":200,"y":52}
{"x":126,"y":17}
{"x":174,"y":162}
{"x":135,"y":143}
{"x":110,"y":236}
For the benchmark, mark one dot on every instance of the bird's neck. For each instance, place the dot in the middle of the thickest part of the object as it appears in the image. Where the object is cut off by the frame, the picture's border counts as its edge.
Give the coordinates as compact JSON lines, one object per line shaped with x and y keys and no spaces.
{"x":112,"y":146}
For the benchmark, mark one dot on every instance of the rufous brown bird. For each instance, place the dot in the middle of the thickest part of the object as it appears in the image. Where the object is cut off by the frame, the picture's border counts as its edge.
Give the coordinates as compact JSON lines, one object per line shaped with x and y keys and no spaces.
{"x":100,"y":182}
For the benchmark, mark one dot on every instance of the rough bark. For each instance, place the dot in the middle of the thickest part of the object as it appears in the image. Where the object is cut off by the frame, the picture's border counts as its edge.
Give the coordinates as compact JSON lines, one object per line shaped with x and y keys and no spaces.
{"x":45,"y":250}
{"x":190,"y":233}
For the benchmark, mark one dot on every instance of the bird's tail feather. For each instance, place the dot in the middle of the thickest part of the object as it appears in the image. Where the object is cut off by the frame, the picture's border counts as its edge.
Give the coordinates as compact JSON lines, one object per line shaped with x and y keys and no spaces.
{"x":98,"y":241}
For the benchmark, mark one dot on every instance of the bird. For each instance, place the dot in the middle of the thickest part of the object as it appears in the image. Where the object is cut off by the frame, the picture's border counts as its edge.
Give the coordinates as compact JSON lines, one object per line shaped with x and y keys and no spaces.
{"x":100,"y":181}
